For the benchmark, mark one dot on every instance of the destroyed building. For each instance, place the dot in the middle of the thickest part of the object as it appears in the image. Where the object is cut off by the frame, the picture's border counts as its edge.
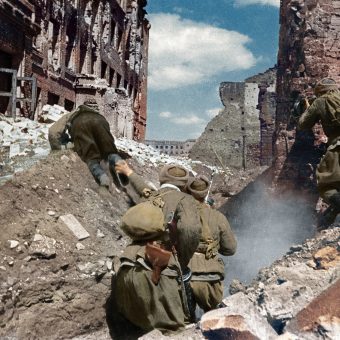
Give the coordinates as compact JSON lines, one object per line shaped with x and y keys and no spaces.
{"x":65,"y":52}
{"x":241,"y":135}
{"x":309,"y":50}
{"x":171,"y":147}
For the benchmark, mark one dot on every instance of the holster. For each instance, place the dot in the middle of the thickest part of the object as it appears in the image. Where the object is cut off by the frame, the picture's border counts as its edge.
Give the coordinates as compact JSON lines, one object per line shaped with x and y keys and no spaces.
{"x":158,"y":259}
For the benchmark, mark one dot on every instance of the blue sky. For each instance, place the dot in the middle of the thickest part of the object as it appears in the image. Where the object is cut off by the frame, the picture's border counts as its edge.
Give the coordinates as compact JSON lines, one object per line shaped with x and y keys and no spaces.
{"x":194,"y":46}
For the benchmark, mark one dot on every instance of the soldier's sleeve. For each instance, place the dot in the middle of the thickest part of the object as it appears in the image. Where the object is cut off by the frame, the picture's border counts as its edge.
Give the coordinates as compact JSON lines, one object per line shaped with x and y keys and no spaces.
{"x":228,"y":241}
{"x":56,"y":131}
{"x":138,"y":183}
{"x":189,"y":229}
{"x":310,"y":117}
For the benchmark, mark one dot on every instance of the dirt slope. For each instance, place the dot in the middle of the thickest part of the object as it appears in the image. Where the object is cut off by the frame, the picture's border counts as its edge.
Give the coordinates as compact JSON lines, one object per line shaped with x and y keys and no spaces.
{"x":52,"y":285}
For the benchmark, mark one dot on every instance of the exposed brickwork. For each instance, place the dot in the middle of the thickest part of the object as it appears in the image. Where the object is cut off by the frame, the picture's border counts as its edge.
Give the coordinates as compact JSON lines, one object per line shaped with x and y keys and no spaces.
{"x":309,"y":50}
{"x":78,"y":50}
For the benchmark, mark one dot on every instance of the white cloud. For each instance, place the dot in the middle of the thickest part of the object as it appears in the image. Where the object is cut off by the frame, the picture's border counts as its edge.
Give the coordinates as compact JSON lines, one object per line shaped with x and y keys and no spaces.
{"x":188,"y":120}
{"x":275,"y":3}
{"x":165,"y":114}
{"x":211,"y":113}
{"x":184,"y":52}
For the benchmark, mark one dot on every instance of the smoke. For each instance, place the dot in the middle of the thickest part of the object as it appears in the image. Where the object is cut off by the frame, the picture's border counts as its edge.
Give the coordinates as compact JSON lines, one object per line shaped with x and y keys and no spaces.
{"x":265,"y":227}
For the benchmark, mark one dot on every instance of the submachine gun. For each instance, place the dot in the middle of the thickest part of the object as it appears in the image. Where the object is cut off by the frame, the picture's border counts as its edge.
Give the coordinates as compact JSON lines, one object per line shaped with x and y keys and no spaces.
{"x":301,"y":104}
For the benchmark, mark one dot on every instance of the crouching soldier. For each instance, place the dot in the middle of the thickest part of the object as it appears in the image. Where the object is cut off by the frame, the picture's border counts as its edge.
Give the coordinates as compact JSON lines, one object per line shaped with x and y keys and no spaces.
{"x":217,"y":237}
{"x":152,"y":288}
{"x":90,"y":133}
{"x":326,"y":108}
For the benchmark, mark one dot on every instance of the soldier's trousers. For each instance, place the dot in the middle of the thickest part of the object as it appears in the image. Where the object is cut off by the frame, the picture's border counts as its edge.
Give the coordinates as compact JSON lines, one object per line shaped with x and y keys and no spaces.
{"x":207,"y":294}
{"x":92,"y":138}
{"x":328,"y":173}
{"x":146,"y":305}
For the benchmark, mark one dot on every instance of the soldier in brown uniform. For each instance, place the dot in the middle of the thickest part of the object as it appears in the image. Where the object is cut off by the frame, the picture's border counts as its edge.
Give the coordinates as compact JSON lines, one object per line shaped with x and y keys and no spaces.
{"x":326,"y":108}
{"x":217,"y":237}
{"x":93,"y":141}
{"x":148,"y":300}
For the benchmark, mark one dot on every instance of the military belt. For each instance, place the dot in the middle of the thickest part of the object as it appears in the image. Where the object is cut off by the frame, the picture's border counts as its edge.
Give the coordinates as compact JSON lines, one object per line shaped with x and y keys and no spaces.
{"x":141,"y":262}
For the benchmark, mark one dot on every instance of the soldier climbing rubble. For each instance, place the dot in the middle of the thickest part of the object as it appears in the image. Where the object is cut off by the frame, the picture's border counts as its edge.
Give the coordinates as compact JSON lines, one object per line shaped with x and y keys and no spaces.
{"x":152,"y":284}
{"x":217,"y":237}
{"x":326,"y":108}
{"x":90,"y":133}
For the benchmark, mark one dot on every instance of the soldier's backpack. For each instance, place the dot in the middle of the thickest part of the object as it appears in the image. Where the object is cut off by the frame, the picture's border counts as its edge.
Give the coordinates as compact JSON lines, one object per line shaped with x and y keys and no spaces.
{"x":145,"y":221}
{"x":332,"y":103}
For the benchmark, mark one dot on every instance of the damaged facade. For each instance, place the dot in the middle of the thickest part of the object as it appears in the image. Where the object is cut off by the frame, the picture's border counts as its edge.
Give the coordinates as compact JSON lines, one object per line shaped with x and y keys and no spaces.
{"x":171,"y":147}
{"x":309,"y":50}
{"x":65,"y":52}
{"x":240,"y":136}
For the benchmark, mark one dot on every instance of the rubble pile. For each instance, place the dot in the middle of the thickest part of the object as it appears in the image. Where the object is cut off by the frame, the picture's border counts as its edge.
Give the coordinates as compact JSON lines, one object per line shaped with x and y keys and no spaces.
{"x":296,"y":296}
{"x":24,"y":141}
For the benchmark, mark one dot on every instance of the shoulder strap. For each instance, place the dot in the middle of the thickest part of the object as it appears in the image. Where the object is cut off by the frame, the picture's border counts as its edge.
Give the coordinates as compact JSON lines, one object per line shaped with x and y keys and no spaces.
{"x":206,"y":232}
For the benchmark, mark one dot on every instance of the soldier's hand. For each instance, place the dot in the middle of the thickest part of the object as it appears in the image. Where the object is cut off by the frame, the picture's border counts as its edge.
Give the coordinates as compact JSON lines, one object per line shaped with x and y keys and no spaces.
{"x":123,"y":168}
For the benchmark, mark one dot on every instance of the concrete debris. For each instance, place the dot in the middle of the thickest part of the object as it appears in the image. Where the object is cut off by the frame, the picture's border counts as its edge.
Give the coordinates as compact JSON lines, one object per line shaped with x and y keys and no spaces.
{"x":65,"y":159}
{"x":148,"y":155}
{"x":281,"y":291}
{"x":86,"y":268}
{"x":238,"y":320}
{"x":43,"y":247}
{"x":109,"y":265}
{"x":14,"y":150}
{"x":51,"y":114}
{"x":22,"y":143}
{"x":37,"y":238}
{"x":80,"y":246}
{"x":73,"y":224}
{"x":320,"y":317}
{"x":13,"y":244}
{"x":100,"y":234}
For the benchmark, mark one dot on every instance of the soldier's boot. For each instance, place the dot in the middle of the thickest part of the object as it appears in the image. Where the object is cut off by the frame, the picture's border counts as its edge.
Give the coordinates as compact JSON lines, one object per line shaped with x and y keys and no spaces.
{"x":99,"y":174}
{"x":330,"y":214}
{"x":120,"y":180}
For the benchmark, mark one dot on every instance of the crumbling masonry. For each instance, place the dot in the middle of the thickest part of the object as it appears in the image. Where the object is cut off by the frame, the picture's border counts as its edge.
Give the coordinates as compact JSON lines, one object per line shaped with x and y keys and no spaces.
{"x":65,"y":52}
{"x":241,"y":135}
{"x":309,"y":50}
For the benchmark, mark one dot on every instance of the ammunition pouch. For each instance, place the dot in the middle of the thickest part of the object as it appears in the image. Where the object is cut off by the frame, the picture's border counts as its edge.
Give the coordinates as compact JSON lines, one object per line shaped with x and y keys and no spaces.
{"x":158,"y":259}
{"x":208,"y":248}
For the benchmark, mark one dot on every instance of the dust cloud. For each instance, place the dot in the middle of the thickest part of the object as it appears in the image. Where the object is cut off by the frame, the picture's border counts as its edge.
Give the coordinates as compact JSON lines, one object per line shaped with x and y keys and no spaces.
{"x":266,"y":227}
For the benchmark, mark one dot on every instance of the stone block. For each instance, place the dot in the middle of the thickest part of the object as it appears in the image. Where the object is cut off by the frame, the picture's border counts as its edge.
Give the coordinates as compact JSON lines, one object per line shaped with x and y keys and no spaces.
{"x":320,"y":317}
{"x":296,"y":288}
{"x":73,"y":225}
{"x":238,"y":320}
{"x":43,"y":247}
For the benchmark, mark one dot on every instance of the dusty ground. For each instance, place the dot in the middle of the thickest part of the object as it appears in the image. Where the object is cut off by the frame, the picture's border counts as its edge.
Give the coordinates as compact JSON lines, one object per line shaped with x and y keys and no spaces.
{"x":52,"y":288}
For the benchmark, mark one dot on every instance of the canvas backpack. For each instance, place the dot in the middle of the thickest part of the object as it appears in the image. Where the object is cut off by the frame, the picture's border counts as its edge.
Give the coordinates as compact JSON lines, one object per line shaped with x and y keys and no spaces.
{"x":145,"y":221}
{"x":332,"y":104}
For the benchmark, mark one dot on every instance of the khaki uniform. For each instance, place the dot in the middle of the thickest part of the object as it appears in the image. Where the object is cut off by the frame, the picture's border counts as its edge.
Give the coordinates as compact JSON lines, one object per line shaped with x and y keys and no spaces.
{"x":206,"y":266}
{"x":142,"y":302}
{"x":90,"y":133}
{"x":328,"y":171}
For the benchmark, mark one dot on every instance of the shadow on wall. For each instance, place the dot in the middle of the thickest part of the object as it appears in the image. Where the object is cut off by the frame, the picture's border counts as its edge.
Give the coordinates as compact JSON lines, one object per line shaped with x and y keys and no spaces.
{"x":266,"y":226}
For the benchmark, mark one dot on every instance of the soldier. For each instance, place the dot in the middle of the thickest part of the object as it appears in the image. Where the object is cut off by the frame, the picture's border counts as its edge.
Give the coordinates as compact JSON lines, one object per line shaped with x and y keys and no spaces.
{"x":93,"y":141}
{"x":217,"y":237}
{"x":151,"y":284}
{"x":326,"y":108}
